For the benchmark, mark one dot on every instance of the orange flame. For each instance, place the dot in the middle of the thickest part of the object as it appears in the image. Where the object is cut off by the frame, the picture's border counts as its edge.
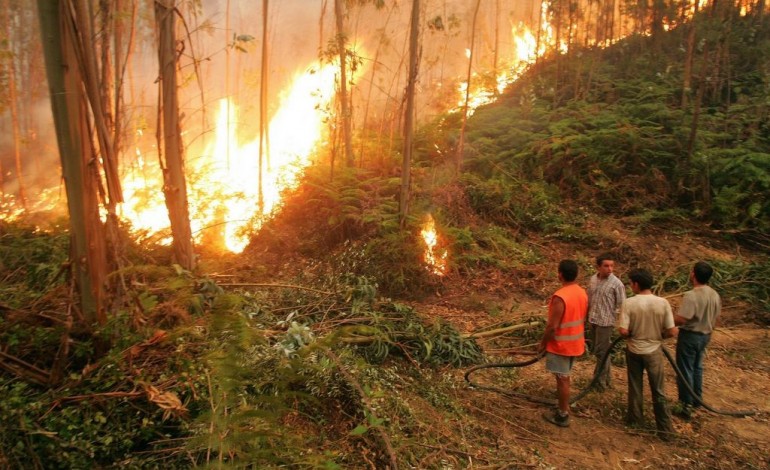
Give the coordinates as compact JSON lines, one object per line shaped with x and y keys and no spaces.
{"x":223,"y":186}
{"x":527,"y":50}
{"x":436,"y":262}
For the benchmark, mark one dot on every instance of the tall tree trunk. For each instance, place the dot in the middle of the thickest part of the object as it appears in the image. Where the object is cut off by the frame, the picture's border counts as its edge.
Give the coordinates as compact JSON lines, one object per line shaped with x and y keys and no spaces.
{"x":495,"y":56}
{"x":347,"y":131}
{"x":14,"y":105}
{"x":121,"y":67}
{"x":688,"y":60}
{"x":107,"y":15}
{"x":373,"y":75}
{"x":263,"y":123}
{"x":406,"y":168}
{"x":69,"y":105}
{"x":82,"y":35}
{"x":227,"y":83}
{"x":4,"y":26}
{"x":170,"y":139}
{"x":461,"y":145}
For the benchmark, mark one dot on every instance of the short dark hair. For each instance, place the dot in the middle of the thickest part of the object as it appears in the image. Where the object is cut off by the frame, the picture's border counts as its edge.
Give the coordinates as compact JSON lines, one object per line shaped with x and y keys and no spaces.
{"x":604,"y":257}
{"x":568,"y":269}
{"x":702,"y":271}
{"x":642,"y":277}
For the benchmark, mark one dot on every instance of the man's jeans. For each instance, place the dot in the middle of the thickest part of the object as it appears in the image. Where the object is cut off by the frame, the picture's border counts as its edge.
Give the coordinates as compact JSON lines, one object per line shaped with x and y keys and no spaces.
{"x":636,"y":364}
{"x":690,"y":350}
{"x":602,"y":338}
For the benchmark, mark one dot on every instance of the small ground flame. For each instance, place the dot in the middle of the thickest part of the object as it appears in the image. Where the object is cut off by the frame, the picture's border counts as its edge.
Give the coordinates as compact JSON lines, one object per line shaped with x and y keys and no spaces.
{"x":436,"y":261}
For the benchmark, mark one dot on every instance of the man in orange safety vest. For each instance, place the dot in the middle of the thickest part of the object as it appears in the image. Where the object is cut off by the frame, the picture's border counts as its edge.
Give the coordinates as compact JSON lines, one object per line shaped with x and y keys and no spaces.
{"x":563,"y":338}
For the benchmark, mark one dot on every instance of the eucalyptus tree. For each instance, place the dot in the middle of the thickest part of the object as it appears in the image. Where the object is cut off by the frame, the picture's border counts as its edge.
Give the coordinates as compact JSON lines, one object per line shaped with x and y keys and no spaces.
{"x":61,"y":23}
{"x":461,"y":145}
{"x":414,"y":34}
{"x":170,"y":146}
{"x":264,"y":137}
{"x":341,"y":11}
{"x":12,"y":58}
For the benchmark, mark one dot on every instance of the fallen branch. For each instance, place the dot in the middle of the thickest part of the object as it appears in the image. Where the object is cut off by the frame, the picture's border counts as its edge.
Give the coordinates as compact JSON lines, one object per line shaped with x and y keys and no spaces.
{"x":76,"y":398}
{"x":280,"y":286}
{"x":24,"y":369}
{"x":501,"y":331}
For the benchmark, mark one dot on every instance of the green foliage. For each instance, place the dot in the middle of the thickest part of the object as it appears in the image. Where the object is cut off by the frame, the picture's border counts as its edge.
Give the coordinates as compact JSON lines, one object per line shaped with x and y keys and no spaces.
{"x":323,"y":213}
{"x":529,"y":207}
{"x":434,"y":343}
{"x":31,"y":261}
{"x":616,"y":138}
{"x":396,"y":262}
{"x":736,"y":279}
{"x":79,"y":425}
{"x":739,"y":177}
{"x":489,"y":246}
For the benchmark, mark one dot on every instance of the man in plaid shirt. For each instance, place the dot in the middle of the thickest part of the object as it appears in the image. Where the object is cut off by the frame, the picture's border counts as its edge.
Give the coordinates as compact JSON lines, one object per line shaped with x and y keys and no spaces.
{"x":605,"y":295}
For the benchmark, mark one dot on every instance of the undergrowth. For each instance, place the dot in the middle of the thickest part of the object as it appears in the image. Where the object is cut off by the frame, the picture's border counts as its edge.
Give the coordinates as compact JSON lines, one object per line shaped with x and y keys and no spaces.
{"x":299,"y":376}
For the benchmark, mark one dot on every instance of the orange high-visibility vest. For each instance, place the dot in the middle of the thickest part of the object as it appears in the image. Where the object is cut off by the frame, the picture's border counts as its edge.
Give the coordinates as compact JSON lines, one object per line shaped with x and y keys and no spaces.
{"x":569,"y":339}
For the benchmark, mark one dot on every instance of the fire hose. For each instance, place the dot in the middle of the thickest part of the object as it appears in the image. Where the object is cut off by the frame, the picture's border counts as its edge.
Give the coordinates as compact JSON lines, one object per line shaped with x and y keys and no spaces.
{"x":591,"y":384}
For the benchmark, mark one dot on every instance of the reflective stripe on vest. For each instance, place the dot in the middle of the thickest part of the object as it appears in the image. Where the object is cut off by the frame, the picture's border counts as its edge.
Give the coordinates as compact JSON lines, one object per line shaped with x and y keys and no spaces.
{"x":569,"y":339}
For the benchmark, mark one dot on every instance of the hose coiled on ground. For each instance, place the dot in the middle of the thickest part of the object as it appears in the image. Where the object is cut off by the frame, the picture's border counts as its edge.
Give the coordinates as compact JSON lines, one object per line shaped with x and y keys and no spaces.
{"x":591,"y":384}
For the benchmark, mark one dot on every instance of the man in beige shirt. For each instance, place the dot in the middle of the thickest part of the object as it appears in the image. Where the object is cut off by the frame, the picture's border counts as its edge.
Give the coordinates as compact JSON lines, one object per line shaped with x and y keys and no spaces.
{"x":645,"y":320}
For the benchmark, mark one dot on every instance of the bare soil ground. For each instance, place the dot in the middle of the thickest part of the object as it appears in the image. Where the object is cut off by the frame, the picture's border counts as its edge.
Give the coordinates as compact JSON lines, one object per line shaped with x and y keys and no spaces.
{"x":509,"y":432}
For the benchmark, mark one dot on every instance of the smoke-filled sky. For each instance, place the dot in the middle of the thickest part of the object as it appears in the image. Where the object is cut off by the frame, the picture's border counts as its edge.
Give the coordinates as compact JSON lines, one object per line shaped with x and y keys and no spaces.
{"x":296,"y":36}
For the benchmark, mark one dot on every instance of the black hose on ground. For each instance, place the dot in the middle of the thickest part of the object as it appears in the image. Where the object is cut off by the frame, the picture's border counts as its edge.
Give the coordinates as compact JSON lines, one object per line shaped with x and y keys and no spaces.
{"x":591,"y":384}
{"x":700,"y":401}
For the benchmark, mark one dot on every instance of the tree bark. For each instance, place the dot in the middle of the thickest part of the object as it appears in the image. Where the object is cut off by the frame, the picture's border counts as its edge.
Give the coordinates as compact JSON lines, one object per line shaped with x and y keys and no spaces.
{"x":170,"y":139}
{"x":69,"y":106}
{"x":688,"y":60}
{"x":461,"y":145}
{"x":82,"y":36}
{"x":347,"y":132}
{"x":264,"y":128}
{"x":14,"y":105}
{"x":15,"y":124}
{"x":414,"y":32}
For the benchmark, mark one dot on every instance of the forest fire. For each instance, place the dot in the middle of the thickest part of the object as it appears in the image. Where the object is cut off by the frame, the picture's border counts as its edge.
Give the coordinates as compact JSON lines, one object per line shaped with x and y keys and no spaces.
{"x":527,"y":49}
{"x":436,"y":260}
{"x":224,"y":190}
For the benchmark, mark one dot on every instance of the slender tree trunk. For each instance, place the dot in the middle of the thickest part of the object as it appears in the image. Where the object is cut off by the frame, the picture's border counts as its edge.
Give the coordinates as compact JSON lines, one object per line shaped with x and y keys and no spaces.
{"x":538,"y":39}
{"x":174,"y":183}
{"x":347,"y":132}
{"x":227,"y":83}
{"x":321,"y":25}
{"x":107,"y":13}
{"x":461,"y":145}
{"x":5,"y":64}
{"x":495,"y":56}
{"x":688,"y":60}
{"x":373,"y":75}
{"x":264,"y":128}
{"x":82,"y":34}
{"x":14,"y":105}
{"x":69,"y":106}
{"x":406,"y":168}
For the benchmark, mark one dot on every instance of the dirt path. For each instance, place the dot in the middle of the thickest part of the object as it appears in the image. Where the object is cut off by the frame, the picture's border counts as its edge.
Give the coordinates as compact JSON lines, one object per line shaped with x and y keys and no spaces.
{"x":737,"y":377}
